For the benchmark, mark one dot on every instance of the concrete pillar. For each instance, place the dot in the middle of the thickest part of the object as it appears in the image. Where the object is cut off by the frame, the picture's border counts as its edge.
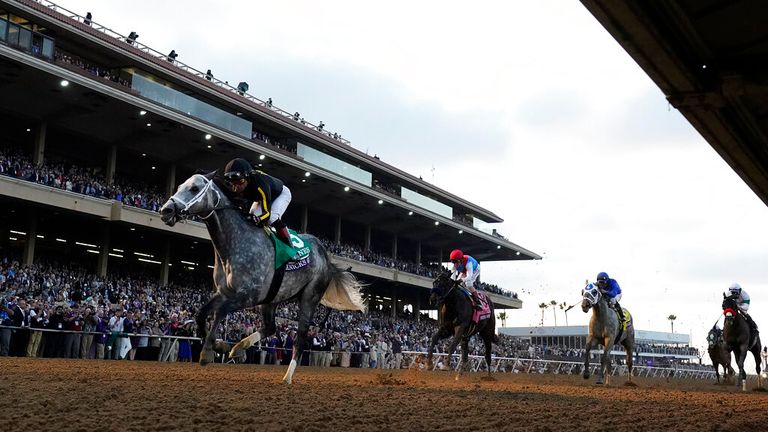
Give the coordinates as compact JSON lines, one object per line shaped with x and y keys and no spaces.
{"x":394,"y":246}
{"x":394,"y":301}
{"x":440,"y":255}
{"x":101,"y":269}
{"x":337,"y":231}
{"x":417,"y":308}
{"x":39,"y":153}
{"x":367,"y":240}
{"x":165,"y":267}
{"x":170,"y":182}
{"x":111,"y":164}
{"x":304,"y":218}
{"x":418,"y":253}
{"x":29,"y":247}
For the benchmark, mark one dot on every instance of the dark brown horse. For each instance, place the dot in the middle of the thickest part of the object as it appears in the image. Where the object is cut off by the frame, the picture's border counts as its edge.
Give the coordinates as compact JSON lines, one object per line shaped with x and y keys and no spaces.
{"x":455,"y":319}
{"x":737,"y":338}
{"x":719,"y":354}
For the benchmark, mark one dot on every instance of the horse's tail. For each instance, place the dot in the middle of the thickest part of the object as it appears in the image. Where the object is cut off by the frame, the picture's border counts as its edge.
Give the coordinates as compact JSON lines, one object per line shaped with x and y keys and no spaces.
{"x":343,"y":292}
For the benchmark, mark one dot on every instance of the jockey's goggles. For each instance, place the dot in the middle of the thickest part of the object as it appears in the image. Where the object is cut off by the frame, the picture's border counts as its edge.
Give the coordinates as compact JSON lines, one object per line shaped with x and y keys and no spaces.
{"x":235,"y":177}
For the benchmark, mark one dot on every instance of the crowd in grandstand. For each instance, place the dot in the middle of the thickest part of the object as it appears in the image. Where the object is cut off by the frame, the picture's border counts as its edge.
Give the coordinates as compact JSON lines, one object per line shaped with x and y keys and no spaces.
{"x":86,"y":181}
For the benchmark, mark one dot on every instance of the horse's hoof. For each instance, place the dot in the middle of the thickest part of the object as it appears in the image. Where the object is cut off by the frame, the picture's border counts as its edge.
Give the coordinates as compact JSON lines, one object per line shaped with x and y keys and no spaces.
{"x":586,"y":376}
{"x":599,"y":382}
{"x":287,"y":382}
{"x":205,"y":358}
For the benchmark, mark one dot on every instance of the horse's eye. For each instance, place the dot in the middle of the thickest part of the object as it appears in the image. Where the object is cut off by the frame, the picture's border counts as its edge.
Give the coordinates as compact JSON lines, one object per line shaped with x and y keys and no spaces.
{"x":194,"y":189}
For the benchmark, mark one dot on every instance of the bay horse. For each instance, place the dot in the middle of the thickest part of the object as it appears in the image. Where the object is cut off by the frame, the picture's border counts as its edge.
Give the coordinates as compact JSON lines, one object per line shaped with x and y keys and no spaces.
{"x":244,"y":273}
{"x":719,"y":354}
{"x":604,"y":328}
{"x":455,"y":312}
{"x":737,"y":335}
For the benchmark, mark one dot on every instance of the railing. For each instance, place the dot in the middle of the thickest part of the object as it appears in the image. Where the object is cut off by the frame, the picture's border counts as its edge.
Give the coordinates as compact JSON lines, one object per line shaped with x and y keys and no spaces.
{"x":189,"y":69}
{"x":536,"y":366}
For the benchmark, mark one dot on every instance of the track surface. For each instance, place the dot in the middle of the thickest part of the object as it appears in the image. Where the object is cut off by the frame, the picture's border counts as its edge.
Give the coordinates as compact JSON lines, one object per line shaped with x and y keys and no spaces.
{"x":43,"y":394}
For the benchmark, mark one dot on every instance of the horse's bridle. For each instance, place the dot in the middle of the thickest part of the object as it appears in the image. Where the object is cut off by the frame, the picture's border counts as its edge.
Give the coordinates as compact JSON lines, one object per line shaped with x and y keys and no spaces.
{"x":590,"y":297}
{"x":184,"y":212}
{"x":441,"y":298}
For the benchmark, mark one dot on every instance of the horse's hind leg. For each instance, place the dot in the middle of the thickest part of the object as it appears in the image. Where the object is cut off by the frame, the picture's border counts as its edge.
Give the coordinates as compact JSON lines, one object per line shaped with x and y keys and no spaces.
{"x":629,"y":348}
{"x":308,"y":301}
{"x":488,"y":348}
{"x":206,"y":355}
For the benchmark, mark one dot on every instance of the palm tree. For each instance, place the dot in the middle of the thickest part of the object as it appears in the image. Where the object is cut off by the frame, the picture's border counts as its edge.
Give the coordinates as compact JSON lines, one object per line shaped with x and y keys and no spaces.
{"x":543,"y":306}
{"x":672,"y":319}
{"x":503,"y":318}
{"x":564,"y":307}
{"x":554,"y":311}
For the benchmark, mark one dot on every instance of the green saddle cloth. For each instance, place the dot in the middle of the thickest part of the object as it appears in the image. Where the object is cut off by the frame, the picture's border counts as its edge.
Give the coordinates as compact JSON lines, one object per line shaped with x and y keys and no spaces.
{"x":284,"y":253}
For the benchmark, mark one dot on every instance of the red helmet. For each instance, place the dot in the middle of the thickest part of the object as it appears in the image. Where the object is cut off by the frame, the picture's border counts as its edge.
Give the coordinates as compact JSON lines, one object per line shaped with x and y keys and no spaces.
{"x":457,"y":255}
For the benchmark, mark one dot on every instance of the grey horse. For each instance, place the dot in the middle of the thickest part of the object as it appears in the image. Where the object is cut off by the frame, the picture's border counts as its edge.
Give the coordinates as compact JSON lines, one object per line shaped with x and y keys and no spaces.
{"x":243,"y":272}
{"x":603,"y":329}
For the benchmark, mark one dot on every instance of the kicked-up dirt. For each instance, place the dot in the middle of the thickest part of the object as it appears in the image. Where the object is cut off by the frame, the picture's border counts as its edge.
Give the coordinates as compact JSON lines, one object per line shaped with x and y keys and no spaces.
{"x":87,"y":395}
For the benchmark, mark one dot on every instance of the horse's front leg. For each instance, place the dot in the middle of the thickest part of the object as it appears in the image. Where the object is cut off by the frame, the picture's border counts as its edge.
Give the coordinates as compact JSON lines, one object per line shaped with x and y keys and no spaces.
{"x":740,"y":358}
{"x":439,"y":334}
{"x":587,"y":352}
{"x":605,"y":362}
{"x":458,"y":331}
{"x":208,"y":337}
{"x":464,"y":357}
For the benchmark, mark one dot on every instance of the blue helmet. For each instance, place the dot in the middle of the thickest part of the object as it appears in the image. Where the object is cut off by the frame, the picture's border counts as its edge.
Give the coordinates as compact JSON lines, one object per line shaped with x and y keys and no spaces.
{"x":602,"y":276}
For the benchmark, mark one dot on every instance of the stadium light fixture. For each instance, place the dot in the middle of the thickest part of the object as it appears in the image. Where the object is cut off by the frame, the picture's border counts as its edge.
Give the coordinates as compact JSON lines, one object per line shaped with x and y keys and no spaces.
{"x":242,"y":88}
{"x":381,"y":202}
{"x":307,"y":174}
{"x":154,"y":167}
{"x":40,"y":236}
{"x":208,"y":136}
{"x":86,"y":244}
{"x":171,"y":57}
{"x":133,"y":229}
{"x":142,"y":112}
{"x":118,"y":250}
{"x":12,"y":238}
{"x":517,"y":253}
{"x":149,"y":124}
{"x":64,"y":83}
{"x":29,"y":130}
{"x":93,"y":251}
{"x":132,"y":37}
{"x":346,"y":188}
{"x":498,"y":247}
{"x":461,"y":231}
{"x":410,"y":213}
{"x":262,"y":157}
{"x":115,"y":255}
{"x":209,"y":146}
{"x":61,"y":240}
{"x":437,"y":223}
{"x":18,"y":232}
{"x":144,"y":154}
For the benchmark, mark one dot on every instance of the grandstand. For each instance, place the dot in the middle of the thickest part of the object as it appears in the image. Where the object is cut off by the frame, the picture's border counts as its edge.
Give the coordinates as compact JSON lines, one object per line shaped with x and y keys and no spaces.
{"x":100,"y":129}
{"x":653,"y":347}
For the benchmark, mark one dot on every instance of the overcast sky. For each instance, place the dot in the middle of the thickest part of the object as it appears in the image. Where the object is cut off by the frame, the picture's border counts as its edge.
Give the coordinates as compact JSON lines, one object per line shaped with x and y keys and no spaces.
{"x":530,"y":109}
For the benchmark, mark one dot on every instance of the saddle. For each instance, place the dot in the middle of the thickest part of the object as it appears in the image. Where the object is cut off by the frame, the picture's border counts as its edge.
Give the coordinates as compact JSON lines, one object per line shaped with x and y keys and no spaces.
{"x":624,"y":325}
{"x":485,"y":309}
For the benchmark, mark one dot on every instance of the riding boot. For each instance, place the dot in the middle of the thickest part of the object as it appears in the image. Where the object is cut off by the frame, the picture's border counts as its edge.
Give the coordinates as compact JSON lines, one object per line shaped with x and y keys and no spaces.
{"x":620,"y":311}
{"x":282,"y":232}
{"x":752,"y":327}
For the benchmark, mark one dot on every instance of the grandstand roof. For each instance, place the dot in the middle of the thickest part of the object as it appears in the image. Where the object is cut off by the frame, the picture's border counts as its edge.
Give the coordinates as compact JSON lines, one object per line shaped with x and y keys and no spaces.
{"x":108,"y":114}
{"x":710,"y":58}
{"x":641,"y":336}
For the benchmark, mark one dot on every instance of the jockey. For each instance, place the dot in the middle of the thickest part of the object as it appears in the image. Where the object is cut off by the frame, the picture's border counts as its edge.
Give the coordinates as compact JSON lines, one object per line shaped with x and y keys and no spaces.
{"x":268,"y":196}
{"x":467,"y":270}
{"x":742,"y":301}
{"x":612,"y":291}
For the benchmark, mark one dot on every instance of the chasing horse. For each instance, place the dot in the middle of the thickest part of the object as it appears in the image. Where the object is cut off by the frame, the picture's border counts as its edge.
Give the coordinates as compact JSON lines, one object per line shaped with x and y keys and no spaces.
{"x":719,"y":354}
{"x":245,"y":273}
{"x":458,"y":317}
{"x":739,"y":338}
{"x":606,"y":329}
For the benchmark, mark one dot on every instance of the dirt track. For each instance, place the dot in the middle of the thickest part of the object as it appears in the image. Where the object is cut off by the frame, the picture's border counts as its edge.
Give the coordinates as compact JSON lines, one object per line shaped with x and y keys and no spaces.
{"x":42,"y":394}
